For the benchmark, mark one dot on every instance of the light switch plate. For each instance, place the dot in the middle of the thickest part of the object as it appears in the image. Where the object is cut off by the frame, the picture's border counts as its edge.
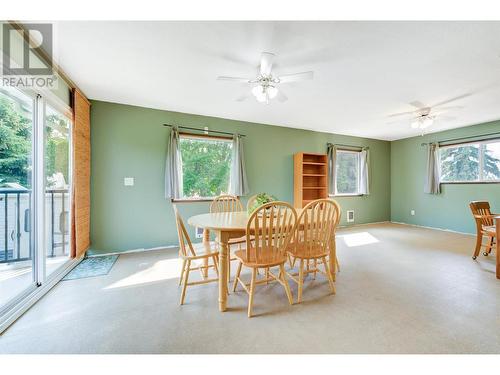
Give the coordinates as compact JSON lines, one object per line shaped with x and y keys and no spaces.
{"x":128,"y":181}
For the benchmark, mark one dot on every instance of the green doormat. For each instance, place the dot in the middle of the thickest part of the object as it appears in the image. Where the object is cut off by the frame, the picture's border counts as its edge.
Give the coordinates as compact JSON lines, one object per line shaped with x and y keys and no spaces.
{"x":91,"y":267}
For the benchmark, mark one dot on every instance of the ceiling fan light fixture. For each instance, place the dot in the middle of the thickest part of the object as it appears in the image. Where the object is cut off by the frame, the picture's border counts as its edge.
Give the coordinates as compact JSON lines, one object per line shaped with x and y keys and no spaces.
{"x":426,"y":122}
{"x":272,"y":92}
{"x":422,"y":122}
{"x":260,"y":94}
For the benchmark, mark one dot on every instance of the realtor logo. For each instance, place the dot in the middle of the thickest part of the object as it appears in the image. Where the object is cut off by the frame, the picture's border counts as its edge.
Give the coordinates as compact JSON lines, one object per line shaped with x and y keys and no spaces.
{"x":27,"y":55}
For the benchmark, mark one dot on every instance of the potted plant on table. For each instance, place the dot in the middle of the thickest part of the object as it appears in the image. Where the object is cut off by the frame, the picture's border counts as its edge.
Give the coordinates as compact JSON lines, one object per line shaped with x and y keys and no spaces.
{"x":260,"y":199}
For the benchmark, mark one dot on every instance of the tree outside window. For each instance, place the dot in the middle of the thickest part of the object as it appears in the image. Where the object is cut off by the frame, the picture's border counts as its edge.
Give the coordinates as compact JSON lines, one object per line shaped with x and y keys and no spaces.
{"x":206,"y":165}
{"x":475,"y":162}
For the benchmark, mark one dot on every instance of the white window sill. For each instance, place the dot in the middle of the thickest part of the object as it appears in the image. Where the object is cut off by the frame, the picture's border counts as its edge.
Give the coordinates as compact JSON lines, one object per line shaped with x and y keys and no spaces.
{"x":199,"y":199}
{"x":187,"y":200}
{"x":469,"y":182}
{"x":347,"y":195}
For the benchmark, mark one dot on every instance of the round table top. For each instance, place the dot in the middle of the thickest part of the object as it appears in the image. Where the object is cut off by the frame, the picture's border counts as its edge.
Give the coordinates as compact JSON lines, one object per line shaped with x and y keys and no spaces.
{"x":226,"y":221}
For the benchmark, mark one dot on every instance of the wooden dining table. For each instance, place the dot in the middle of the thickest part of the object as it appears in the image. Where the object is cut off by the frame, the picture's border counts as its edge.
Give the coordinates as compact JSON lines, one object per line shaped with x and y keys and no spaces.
{"x":229,"y":225}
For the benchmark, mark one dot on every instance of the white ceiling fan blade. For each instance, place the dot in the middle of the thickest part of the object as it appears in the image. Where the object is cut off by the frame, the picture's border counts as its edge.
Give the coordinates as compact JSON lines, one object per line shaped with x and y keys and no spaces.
{"x":266,"y":63}
{"x":243,"y":97}
{"x":233,"y":79}
{"x":450,"y":108}
{"x":402,"y":114}
{"x":281,"y":97}
{"x":418,"y":104}
{"x":451,"y":100}
{"x":447,"y":118}
{"x":296,"y":77}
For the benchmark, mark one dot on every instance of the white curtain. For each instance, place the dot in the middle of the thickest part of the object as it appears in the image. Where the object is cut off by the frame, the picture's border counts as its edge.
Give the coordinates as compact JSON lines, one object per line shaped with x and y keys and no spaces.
{"x":238,"y":184}
{"x":173,"y":167}
{"x":364,"y":181}
{"x":432,"y":184}
{"x":332,"y":157}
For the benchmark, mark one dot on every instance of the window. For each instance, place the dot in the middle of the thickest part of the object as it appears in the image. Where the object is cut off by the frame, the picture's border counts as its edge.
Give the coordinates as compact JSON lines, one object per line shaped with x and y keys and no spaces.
{"x":347,"y":168}
{"x":471,"y":162}
{"x":206,"y":166}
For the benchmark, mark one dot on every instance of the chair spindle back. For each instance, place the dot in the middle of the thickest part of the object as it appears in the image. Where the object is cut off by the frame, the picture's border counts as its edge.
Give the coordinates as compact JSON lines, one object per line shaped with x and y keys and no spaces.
{"x":185,"y":245}
{"x":481,"y":208}
{"x":316,"y":226}
{"x":269,"y":231}
{"x":226,"y":203}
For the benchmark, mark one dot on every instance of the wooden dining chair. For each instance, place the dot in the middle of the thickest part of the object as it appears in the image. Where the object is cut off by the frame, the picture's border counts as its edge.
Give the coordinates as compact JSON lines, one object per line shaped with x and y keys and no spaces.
{"x":485,"y":226}
{"x":316,"y":261}
{"x":268,"y":233}
{"x":192,"y":253}
{"x":312,"y":240}
{"x":228,"y":203}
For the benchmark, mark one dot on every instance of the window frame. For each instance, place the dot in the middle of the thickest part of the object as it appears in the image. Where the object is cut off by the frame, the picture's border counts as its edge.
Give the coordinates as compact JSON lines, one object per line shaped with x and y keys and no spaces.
{"x":358,"y":182}
{"x":480,"y":180}
{"x":185,"y":135}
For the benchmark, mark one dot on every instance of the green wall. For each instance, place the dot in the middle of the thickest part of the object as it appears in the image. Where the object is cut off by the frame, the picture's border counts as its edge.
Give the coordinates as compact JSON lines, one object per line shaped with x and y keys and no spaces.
{"x":448,"y":210}
{"x":130,"y":141}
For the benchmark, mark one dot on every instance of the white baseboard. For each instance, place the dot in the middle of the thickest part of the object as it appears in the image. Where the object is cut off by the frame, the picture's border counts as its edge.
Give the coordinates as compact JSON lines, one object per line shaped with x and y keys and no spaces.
{"x":434,"y":228}
{"x":364,"y":224}
{"x":175,"y":247}
{"x":140,"y":250}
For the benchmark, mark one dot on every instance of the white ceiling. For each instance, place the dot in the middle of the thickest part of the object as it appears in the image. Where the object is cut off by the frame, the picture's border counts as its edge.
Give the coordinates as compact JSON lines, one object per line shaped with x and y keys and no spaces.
{"x":364,"y":71}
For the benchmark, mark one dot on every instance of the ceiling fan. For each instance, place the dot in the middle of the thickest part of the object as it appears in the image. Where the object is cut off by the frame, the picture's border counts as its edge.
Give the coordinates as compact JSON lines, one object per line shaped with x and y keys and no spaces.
{"x":265,"y":85}
{"x":424,"y":116}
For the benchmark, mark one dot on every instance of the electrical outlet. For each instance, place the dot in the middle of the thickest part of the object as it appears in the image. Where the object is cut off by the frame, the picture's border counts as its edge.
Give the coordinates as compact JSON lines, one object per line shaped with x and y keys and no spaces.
{"x":198,"y":232}
{"x":412,"y":212}
{"x":350,"y":216}
{"x":128,"y":181}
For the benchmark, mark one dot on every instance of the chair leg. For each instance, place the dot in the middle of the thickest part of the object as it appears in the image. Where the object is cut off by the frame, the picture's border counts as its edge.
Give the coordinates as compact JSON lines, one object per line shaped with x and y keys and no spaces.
{"x":267,"y":275}
{"x":252,"y":291}
{"x":216,"y":265}
{"x":479,"y":242}
{"x":329,"y":275}
{"x":301,"y":281}
{"x":186,"y":278}
{"x":488,"y":247}
{"x":285,"y":284}
{"x":237,"y":277}
{"x":182,"y":271}
{"x":315,"y":268}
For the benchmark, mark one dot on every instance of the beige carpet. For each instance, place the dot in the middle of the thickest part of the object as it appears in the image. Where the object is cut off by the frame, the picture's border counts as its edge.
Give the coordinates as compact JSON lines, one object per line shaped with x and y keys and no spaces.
{"x":401,"y":289}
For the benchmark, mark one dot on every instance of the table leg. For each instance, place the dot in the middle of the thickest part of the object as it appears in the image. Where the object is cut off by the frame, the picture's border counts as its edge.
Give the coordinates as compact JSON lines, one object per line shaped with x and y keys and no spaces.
{"x":223,"y":268}
{"x":206,"y":239}
{"x":497,"y":223}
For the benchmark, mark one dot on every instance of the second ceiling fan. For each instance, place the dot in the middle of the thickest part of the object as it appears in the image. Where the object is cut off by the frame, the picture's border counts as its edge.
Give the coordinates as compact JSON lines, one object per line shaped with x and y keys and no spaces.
{"x":424,"y":116}
{"x":265,"y":85}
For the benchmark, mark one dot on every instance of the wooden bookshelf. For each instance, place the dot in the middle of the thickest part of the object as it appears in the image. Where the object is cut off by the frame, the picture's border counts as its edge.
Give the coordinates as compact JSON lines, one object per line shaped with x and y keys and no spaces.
{"x":310,"y":180}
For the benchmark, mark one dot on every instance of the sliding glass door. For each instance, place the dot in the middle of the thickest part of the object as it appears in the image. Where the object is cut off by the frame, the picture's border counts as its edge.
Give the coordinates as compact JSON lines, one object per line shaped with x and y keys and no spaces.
{"x":35,"y":170}
{"x":57,"y":188}
{"x":17,"y":258}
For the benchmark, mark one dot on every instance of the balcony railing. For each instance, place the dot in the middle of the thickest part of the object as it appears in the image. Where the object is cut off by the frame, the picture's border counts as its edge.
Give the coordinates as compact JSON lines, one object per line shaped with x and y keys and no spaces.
{"x":15,"y":224}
